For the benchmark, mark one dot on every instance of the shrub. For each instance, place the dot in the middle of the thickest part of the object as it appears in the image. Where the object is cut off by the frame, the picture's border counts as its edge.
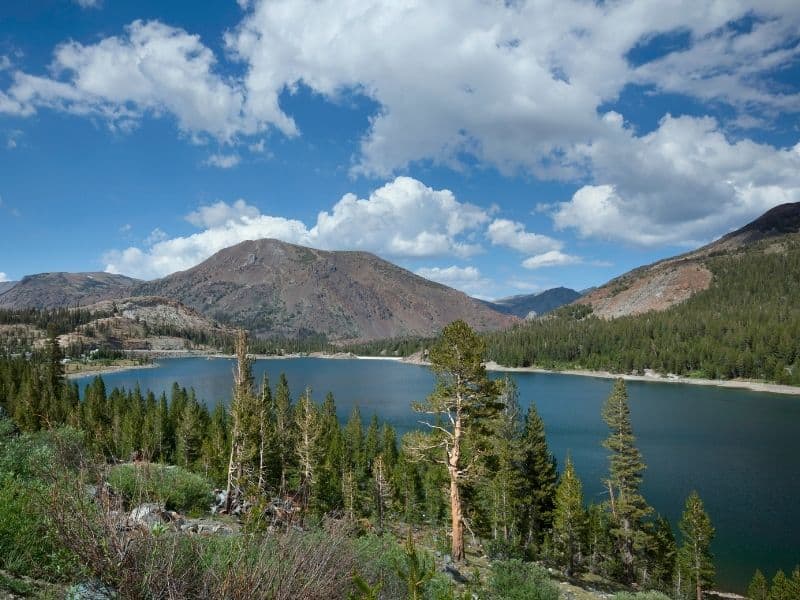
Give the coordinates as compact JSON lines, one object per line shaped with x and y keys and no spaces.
{"x":28,"y":541}
{"x":641,"y":596}
{"x":177,"y":488}
{"x":517,"y":580}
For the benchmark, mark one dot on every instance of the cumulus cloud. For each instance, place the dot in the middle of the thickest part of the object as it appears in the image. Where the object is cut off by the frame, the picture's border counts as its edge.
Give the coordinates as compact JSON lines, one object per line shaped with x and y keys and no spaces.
{"x":518,"y":86}
{"x":89,"y":3}
{"x":3,"y":277}
{"x":467,"y":279}
{"x":223,"y":161}
{"x":513,"y":84}
{"x":512,"y":234}
{"x":403,"y":218}
{"x":151,"y":69}
{"x":683,"y":183}
{"x":553,"y":258}
{"x":220,"y":213}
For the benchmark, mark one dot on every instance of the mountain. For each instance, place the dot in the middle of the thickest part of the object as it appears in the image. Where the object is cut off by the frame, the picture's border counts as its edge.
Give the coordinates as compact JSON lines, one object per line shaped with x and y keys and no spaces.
{"x":6,"y":285}
{"x":738,"y":317}
{"x":53,"y":290}
{"x":671,"y":281}
{"x":535,"y":304}
{"x":279,"y":289}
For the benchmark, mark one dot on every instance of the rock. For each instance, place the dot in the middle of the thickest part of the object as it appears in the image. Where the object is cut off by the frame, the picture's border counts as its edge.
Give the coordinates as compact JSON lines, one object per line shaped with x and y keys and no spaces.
{"x":148,"y":515}
{"x":91,"y":590}
{"x":454,"y":573}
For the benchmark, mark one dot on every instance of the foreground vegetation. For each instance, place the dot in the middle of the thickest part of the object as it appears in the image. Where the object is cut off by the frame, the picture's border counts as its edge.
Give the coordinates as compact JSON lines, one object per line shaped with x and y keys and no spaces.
{"x":316,"y":509}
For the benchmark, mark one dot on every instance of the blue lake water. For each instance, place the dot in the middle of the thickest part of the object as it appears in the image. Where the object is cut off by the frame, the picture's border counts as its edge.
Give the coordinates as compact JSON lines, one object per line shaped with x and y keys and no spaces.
{"x":739,"y":449}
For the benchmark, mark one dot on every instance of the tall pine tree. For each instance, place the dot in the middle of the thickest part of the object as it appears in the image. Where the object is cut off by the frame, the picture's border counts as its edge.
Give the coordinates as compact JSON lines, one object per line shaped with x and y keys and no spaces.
{"x":627,"y":505}
{"x":694,"y":556}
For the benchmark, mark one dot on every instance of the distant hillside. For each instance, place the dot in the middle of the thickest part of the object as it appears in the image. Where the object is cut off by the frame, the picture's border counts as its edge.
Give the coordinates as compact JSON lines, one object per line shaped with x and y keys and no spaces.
{"x":279,"y":289}
{"x":6,"y":285}
{"x":53,"y":290}
{"x":524,"y":305}
{"x":668,"y":282}
{"x":742,"y":322}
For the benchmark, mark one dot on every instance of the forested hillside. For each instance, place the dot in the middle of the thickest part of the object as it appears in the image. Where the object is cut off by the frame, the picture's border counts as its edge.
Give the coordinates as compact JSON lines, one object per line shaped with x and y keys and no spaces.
{"x":746,"y":325}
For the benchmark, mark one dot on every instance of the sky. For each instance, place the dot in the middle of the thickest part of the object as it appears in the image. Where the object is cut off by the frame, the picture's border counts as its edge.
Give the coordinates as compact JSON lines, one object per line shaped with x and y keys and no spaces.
{"x":498,"y":147}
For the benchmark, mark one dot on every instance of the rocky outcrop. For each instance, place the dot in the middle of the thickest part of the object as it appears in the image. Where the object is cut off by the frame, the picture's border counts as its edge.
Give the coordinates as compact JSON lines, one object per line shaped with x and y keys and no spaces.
{"x":668,"y":282}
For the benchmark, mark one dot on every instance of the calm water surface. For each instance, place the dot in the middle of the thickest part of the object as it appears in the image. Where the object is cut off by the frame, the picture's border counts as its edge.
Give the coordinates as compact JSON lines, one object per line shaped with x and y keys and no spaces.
{"x":739,"y":449}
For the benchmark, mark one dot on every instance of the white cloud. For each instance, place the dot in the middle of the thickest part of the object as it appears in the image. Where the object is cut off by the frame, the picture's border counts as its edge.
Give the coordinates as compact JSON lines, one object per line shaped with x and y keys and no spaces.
{"x":404,"y":218}
{"x":467,"y":279}
{"x":3,"y":277}
{"x":220,"y":213}
{"x":89,"y":3}
{"x":553,"y":258}
{"x":683,"y":183}
{"x":512,"y":234}
{"x":223,"y":161}
{"x":155,"y":236}
{"x":126,"y":228}
{"x":151,"y":69}
{"x":514,"y":84}
{"x":5,"y":62}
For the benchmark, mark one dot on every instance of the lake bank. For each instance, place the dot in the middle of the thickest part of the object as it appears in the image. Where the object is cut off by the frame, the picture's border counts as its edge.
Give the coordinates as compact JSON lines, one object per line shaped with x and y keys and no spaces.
{"x":651,"y":377}
{"x":754,"y":386}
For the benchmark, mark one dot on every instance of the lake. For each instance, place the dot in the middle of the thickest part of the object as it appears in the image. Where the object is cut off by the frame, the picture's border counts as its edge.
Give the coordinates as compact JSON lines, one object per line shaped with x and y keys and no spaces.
{"x":739,"y":449}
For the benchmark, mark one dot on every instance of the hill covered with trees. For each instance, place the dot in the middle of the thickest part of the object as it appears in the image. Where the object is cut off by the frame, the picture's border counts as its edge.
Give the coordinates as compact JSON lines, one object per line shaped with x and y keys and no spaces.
{"x":745,"y":325}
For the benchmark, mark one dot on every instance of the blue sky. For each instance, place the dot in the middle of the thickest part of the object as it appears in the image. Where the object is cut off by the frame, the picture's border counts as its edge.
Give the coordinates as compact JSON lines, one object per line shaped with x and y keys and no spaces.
{"x":498,"y":147}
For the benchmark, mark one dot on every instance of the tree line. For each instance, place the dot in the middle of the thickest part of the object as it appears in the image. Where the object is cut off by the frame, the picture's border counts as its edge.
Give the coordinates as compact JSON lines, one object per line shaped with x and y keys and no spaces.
{"x":479,"y":469}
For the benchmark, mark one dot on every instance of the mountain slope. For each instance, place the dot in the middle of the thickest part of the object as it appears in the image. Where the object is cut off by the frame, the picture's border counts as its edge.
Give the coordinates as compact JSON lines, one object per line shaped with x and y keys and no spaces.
{"x":53,"y":290}
{"x":671,"y":281}
{"x":280,"y":289}
{"x":744,"y":324}
{"x":6,"y":285}
{"x":522,"y":306}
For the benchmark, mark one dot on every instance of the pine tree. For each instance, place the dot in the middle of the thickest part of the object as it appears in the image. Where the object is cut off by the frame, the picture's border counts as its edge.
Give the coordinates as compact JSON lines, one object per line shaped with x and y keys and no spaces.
{"x":662,"y":555}
{"x":241,"y":410}
{"x":759,"y":587}
{"x":569,"y":519}
{"x":308,"y":432}
{"x":628,"y":507}
{"x":694,"y":555}
{"x":781,"y":587}
{"x":383,"y":491}
{"x":504,"y":478}
{"x":539,"y":477}
{"x":468,"y":398}
{"x":284,"y":434}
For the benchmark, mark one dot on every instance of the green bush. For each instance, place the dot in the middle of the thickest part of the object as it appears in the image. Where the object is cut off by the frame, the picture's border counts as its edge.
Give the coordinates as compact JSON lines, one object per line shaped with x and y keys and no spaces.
{"x":641,"y":596}
{"x":29,"y":544}
{"x":517,"y":580}
{"x":177,"y":488}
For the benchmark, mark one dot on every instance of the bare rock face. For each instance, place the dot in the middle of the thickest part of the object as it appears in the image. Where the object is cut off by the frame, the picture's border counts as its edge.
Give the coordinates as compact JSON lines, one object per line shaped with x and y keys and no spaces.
{"x":279,"y":289}
{"x":54,"y":290}
{"x":668,"y":282}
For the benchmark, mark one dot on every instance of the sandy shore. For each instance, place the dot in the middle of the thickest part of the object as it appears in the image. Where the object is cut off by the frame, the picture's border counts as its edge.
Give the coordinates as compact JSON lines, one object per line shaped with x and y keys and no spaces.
{"x":109,"y":369}
{"x":755,"y":386}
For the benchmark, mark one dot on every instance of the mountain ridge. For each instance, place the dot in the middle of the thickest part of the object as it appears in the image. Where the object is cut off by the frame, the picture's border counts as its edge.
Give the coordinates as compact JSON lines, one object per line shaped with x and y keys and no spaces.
{"x":277,"y":289}
{"x":529,"y":305}
{"x":672,"y":280}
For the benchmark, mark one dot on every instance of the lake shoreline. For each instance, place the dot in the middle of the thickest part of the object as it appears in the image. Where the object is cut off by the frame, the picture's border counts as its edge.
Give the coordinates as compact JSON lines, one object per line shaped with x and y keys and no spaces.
{"x":754,"y":386}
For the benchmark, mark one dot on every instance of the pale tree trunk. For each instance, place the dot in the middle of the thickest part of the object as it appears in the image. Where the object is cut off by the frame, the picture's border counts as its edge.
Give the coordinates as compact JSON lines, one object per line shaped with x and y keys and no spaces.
{"x":457,"y":547}
{"x":456,"y":514}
